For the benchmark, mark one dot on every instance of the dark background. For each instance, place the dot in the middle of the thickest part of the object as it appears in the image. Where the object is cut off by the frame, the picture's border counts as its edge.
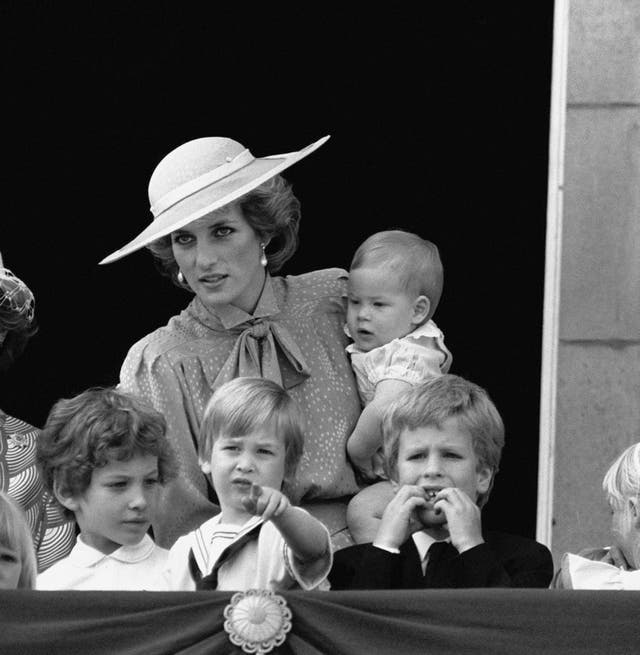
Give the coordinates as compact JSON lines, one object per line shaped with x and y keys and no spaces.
{"x":439,"y":120}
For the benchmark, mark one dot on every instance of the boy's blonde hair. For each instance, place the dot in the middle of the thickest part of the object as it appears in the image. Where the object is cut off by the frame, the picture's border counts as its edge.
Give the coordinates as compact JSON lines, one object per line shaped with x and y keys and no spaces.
{"x":245,"y":405}
{"x":430,"y":404}
{"x":622,"y":480}
{"x":15,"y":534}
{"x":414,"y":261}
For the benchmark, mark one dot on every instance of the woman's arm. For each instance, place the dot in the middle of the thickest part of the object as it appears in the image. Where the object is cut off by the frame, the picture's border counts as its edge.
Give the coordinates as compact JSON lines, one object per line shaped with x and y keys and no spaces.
{"x":366,"y":438}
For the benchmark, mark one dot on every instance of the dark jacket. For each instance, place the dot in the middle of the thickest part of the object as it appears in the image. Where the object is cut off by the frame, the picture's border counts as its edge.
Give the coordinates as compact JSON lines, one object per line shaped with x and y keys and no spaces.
{"x":504,"y":560}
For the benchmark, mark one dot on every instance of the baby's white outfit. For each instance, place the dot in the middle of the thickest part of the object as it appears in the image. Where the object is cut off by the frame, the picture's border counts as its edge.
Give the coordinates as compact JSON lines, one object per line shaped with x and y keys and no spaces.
{"x":417,"y":357}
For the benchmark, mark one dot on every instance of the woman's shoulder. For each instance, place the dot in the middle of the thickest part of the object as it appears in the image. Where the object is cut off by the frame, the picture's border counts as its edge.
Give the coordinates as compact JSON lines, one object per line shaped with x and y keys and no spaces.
{"x":163,"y":340}
{"x":316,"y":284}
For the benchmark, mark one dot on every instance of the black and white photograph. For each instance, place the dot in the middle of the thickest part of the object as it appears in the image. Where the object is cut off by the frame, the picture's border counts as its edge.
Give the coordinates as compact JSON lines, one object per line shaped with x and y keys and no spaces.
{"x":327,"y":315}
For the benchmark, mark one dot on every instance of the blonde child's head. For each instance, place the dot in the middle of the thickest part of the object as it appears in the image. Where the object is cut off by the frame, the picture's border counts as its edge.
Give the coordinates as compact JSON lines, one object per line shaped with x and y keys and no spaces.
{"x":247,"y":405}
{"x":395,"y":285}
{"x":18,"y":567}
{"x":411,"y":260}
{"x":441,"y":402}
{"x":621,"y":485}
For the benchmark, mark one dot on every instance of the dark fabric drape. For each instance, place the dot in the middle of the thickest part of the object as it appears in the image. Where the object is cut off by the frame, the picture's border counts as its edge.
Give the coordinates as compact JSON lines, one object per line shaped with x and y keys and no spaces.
{"x":474,"y":621}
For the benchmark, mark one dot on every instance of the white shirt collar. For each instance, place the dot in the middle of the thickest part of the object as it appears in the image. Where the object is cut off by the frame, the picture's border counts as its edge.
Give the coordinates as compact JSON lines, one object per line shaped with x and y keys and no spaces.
{"x":85,"y":556}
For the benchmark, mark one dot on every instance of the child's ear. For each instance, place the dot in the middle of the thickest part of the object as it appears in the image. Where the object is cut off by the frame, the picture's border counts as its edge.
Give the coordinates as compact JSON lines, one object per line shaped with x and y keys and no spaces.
{"x":421,"y":307}
{"x":483,"y":479}
{"x":205,"y":467}
{"x":65,"y":498}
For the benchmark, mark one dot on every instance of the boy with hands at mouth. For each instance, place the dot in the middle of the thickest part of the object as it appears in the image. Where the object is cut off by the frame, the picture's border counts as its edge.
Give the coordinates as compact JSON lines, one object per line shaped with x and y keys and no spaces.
{"x":251,"y":441}
{"x":442,"y":445}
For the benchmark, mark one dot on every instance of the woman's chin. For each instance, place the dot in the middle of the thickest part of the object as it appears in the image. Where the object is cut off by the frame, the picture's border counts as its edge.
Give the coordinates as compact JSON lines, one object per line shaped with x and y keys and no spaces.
{"x":431,"y":518}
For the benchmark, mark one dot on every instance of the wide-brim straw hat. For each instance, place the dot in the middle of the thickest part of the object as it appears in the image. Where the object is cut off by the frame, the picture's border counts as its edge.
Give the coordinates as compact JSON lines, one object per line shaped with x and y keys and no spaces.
{"x":201,"y":176}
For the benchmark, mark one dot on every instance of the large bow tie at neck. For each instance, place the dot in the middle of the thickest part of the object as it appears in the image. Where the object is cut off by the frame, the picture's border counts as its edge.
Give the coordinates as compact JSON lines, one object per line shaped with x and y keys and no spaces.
{"x":265,"y":349}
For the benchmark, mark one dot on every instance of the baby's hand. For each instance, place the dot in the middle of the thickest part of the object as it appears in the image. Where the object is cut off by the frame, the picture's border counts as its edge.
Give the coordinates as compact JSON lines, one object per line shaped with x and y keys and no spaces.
{"x":463,"y":518}
{"x":265,"y":502}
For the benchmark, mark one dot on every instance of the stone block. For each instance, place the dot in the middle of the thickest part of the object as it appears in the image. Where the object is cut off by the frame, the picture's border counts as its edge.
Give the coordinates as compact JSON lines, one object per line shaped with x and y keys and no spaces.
{"x":600,"y":283}
{"x":604,"y":52}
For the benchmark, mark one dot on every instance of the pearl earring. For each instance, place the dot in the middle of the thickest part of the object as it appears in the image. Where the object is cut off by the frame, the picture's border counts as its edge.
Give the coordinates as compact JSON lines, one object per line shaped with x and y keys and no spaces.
{"x":180,"y":277}
{"x":263,"y":257}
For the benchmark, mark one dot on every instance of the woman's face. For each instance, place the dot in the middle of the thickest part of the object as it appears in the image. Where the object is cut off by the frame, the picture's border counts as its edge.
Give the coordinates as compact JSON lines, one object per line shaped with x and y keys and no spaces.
{"x":219,"y":256}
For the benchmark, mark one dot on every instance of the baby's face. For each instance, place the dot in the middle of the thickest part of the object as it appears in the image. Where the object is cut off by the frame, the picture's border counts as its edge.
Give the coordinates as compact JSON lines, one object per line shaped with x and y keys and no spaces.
{"x":625,"y":529}
{"x":378,"y":310}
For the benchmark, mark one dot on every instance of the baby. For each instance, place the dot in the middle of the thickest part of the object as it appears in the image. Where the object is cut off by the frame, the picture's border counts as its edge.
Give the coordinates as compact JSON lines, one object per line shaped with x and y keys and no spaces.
{"x":616,"y":566}
{"x":103,"y":454}
{"x":251,"y":441}
{"x":395,"y":284}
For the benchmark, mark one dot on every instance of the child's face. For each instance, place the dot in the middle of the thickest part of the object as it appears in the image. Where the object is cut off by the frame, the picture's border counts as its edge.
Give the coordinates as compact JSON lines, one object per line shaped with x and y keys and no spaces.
{"x":625,"y":529}
{"x":117,"y":507}
{"x":238,"y":462}
{"x":10,"y":567}
{"x":434,"y":458}
{"x":378,"y":311}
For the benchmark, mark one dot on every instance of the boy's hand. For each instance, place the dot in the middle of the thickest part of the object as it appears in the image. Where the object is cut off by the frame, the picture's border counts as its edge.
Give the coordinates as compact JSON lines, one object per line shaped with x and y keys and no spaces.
{"x":463,"y":518}
{"x":399,"y":519}
{"x":265,"y":502}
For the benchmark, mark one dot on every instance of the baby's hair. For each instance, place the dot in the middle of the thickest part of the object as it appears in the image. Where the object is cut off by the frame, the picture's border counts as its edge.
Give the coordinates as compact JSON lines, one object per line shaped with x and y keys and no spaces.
{"x":245,"y":405}
{"x":430,"y":404}
{"x":16,"y":535}
{"x":414,"y":261}
{"x":93,"y":428}
{"x":622,"y":480}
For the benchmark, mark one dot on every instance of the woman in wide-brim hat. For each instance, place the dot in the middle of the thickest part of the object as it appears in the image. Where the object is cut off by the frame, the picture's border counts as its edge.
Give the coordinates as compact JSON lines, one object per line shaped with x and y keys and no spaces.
{"x":224,"y":222}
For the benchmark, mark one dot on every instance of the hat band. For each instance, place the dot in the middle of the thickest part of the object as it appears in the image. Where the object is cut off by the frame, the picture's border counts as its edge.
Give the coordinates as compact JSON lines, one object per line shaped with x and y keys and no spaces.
{"x":193,"y":186}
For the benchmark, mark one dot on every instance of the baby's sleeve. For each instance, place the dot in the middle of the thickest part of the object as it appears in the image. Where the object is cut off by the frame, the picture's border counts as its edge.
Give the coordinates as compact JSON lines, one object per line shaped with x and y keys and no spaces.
{"x":412,"y":361}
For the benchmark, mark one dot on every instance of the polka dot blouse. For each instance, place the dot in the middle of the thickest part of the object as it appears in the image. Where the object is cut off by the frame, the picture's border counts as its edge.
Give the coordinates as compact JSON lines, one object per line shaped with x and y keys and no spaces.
{"x":295,"y":337}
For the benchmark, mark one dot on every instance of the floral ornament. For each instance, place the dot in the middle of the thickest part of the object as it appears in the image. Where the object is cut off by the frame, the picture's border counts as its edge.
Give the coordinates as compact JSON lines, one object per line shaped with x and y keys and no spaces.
{"x":257,"y":620}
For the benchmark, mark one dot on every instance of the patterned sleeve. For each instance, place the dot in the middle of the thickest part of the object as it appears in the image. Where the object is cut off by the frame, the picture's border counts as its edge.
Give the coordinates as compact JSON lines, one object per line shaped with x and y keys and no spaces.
{"x":151,"y":376}
{"x":53,"y":532}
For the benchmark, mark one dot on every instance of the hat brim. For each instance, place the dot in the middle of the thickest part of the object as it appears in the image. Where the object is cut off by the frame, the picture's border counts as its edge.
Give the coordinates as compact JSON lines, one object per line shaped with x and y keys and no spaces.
{"x":214,"y":197}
